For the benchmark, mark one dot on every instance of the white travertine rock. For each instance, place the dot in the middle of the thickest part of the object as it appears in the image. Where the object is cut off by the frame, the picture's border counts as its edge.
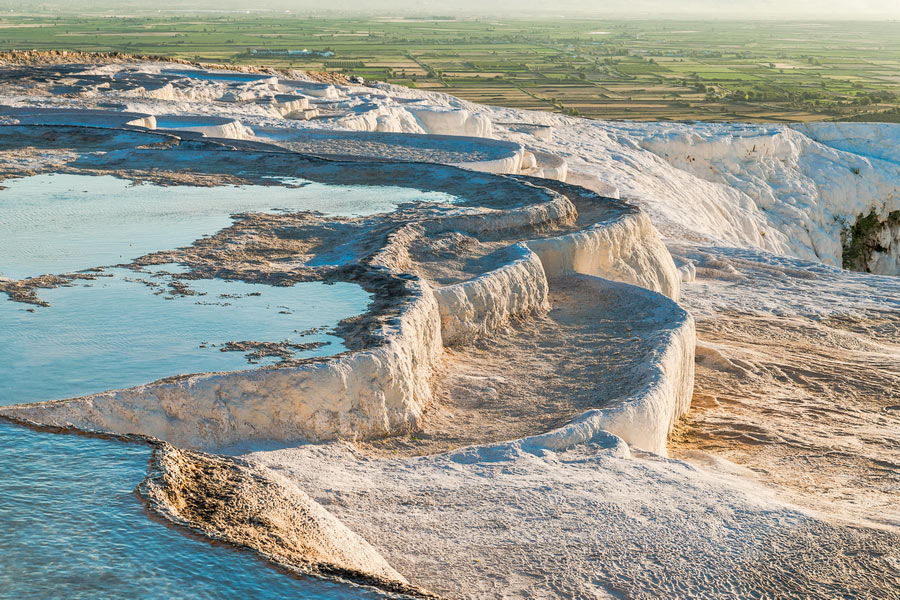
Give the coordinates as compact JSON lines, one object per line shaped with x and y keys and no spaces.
{"x":325,"y":91}
{"x":774,"y":188}
{"x":451,"y":121}
{"x":206,"y":126}
{"x":658,"y":392}
{"x":688,"y":272}
{"x":478,"y":307}
{"x":27,"y":115}
{"x":508,"y":164}
{"x":296,"y":532}
{"x":551,"y":166}
{"x":626,"y":249}
{"x":593,"y":183}
{"x":557,"y":210}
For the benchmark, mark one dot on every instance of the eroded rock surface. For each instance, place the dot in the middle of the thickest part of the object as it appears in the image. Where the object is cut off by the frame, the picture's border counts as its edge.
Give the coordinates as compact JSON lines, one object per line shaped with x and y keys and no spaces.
{"x":250,"y":506}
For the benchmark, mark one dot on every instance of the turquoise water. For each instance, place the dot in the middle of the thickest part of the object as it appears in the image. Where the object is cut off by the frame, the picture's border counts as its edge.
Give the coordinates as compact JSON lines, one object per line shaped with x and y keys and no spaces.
{"x":128,"y":329}
{"x":63,"y":223}
{"x":175,"y":123}
{"x":70,"y":527}
{"x":210,"y":76}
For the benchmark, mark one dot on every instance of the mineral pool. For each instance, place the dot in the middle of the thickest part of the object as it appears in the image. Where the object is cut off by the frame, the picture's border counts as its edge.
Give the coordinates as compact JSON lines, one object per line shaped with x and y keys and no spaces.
{"x":70,"y":518}
{"x":58,"y":223}
{"x":216,"y":76}
{"x":126,"y":328}
{"x":72,"y":526}
{"x":163,"y":122}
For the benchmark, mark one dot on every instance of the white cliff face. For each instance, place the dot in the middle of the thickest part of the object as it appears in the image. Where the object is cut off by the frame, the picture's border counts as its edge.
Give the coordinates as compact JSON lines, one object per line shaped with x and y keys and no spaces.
{"x":768,"y":187}
{"x":873,"y":140}
{"x":796,"y":192}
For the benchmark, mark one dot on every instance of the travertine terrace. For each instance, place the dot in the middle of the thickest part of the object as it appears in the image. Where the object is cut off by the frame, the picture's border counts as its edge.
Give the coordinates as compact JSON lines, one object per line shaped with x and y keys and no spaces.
{"x":501,"y":419}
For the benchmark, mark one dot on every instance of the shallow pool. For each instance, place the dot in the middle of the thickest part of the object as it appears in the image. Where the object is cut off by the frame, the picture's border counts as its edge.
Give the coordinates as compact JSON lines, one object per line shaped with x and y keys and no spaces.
{"x":132,"y":328}
{"x":63,"y":223}
{"x":214,"y":76}
{"x":175,"y":122}
{"x":72,"y":528}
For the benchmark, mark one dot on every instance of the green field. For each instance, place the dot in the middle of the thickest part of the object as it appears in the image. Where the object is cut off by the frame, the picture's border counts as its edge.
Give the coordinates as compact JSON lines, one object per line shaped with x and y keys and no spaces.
{"x":756,"y":71}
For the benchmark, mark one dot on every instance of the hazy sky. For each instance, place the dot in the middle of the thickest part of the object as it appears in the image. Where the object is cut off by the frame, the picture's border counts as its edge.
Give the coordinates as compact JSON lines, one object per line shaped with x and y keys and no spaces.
{"x":599,"y":9}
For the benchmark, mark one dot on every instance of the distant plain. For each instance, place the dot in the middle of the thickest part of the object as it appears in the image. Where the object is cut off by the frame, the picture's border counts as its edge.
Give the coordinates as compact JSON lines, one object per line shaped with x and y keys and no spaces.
{"x":645,"y":70}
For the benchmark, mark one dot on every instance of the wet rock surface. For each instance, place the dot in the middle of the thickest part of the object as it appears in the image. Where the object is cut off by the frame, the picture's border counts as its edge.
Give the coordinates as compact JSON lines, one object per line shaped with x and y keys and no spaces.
{"x":249,"y":506}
